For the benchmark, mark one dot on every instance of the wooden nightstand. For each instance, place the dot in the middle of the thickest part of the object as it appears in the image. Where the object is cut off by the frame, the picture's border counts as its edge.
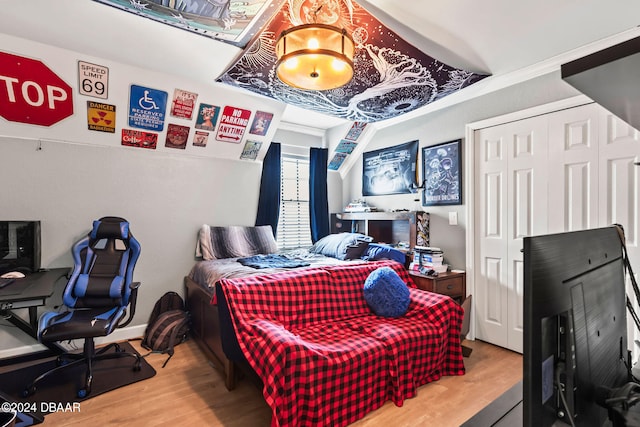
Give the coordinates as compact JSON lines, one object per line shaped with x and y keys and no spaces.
{"x":452,"y":284}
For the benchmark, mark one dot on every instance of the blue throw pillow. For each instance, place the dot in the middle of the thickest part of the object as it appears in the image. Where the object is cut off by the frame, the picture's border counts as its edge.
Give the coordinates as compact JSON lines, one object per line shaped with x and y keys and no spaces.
{"x":386,"y":294}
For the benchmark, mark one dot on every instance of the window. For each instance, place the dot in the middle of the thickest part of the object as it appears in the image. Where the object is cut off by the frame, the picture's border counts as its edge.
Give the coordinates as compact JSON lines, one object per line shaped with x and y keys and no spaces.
{"x":294,"y":228}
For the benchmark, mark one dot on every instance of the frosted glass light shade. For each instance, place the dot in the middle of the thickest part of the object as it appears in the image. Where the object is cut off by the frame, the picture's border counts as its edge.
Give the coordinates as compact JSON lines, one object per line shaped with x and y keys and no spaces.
{"x":315,"y":57}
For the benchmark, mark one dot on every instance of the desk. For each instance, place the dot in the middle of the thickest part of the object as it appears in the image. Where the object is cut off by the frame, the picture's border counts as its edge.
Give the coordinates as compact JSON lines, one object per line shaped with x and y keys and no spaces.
{"x":29,"y":292}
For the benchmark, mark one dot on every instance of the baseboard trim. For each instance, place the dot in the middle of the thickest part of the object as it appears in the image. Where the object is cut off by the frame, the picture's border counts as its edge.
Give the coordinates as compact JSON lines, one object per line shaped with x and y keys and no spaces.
{"x":118,"y":335}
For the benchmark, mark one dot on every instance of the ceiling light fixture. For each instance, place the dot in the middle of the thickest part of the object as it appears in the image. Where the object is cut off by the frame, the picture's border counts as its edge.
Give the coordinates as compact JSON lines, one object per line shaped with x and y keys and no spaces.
{"x":315,"y":56}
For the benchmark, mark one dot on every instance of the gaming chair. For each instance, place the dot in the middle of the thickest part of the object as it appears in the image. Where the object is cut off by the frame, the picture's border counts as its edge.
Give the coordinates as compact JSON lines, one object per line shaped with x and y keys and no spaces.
{"x":96,"y":298}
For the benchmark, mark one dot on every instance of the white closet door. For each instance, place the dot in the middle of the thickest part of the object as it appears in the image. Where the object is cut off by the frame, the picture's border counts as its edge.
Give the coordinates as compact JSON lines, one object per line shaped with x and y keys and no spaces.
{"x":618,"y":181}
{"x":620,"y":196}
{"x":511,"y":185}
{"x":573,"y":168}
{"x":568,"y":170}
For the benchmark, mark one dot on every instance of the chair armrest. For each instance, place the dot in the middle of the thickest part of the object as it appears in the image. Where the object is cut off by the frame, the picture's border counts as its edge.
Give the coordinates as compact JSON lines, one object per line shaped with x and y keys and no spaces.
{"x":132,"y":303}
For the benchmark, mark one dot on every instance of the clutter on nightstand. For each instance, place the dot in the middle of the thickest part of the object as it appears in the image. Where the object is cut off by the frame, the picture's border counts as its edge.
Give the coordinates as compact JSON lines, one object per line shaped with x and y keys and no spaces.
{"x":428,"y":260}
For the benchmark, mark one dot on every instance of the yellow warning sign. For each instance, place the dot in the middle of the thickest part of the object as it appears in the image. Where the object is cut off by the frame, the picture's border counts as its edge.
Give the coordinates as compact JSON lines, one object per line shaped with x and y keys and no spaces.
{"x":101,"y":117}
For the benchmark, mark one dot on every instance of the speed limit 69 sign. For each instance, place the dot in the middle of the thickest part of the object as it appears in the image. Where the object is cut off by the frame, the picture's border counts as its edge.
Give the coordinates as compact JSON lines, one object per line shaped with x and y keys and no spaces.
{"x":93,"y":80}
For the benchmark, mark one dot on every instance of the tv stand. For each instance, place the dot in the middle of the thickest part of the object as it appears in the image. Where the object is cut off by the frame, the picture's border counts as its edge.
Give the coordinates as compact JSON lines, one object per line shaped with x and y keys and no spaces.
{"x":505,"y":411}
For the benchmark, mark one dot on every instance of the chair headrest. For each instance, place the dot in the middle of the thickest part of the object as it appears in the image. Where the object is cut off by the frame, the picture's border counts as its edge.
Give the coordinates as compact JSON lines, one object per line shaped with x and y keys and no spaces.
{"x":110,"y":227}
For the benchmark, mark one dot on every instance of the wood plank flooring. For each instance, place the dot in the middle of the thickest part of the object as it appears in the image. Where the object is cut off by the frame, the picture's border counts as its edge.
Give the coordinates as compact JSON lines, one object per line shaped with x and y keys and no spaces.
{"x":190,"y":392}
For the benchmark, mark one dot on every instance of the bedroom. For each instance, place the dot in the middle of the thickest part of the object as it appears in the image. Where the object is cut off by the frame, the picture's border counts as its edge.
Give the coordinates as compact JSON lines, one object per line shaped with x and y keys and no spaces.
{"x":67,"y":176}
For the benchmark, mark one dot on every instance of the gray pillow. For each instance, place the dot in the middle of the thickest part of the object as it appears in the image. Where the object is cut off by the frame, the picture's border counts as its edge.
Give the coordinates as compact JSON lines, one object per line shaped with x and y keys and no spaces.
{"x":342,"y":245}
{"x":235,"y":241}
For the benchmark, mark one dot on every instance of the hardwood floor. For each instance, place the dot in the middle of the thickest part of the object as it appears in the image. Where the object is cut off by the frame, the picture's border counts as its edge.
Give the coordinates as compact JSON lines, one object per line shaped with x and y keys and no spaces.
{"x":190,"y":392}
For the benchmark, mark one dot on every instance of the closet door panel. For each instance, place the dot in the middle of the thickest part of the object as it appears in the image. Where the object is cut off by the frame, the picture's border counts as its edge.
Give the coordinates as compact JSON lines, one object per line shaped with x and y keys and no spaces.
{"x":512,"y":188}
{"x":619,"y":151}
{"x":491,"y":277}
{"x":573,"y":169}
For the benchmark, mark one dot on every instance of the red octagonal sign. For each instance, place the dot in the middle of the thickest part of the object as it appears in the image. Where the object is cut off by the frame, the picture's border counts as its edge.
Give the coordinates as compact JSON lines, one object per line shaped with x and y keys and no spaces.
{"x":31,"y":93}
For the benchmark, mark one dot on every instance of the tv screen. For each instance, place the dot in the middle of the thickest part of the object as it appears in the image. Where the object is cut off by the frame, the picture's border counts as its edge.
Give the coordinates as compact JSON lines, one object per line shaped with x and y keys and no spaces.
{"x":575,"y":326}
{"x":19,"y":246}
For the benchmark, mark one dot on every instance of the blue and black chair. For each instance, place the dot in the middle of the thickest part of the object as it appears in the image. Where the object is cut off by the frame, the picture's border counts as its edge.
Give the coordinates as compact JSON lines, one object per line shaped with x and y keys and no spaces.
{"x":97,"y":297}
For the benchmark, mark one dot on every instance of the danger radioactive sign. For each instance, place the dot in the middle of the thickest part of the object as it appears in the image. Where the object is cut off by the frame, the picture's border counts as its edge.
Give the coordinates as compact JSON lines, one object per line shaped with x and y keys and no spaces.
{"x":101,"y":117}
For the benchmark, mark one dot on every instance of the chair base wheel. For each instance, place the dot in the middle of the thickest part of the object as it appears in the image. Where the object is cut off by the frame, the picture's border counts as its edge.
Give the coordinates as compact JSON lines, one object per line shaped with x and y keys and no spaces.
{"x":28,"y":391}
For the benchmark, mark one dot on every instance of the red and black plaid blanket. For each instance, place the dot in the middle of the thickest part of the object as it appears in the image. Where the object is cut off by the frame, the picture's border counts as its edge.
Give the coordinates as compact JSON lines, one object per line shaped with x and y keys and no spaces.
{"x":324,"y":357}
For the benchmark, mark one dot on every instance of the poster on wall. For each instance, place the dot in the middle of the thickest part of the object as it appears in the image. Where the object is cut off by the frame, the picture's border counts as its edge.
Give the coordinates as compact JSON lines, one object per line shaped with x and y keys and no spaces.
{"x":233,"y":123}
{"x":139,"y":138}
{"x":177,"y":136}
{"x":336,"y":161}
{"x":234,"y":22}
{"x":346,"y":147}
{"x":261,"y":123}
{"x":147,"y":108}
{"x":207,"y":116}
{"x":183,"y":104}
{"x":93,"y":80}
{"x":442,"y":174}
{"x":356,"y":130}
{"x":101,"y":117}
{"x":391,"y":170}
{"x":200,"y":138}
{"x":250,"y":150}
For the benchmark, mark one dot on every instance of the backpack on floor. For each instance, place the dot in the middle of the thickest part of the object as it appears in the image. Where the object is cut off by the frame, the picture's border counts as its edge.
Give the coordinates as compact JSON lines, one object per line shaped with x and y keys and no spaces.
{"x":168,"y":325}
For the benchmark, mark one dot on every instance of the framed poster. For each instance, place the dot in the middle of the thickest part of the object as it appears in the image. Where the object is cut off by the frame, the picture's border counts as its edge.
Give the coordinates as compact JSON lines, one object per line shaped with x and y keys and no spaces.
{"x":232,"y":22}
{"x":207,"y":117}
{"x":356,"y":129}
{"x":337,"y":161}
{"x":250,"y":150}
{"x":183,"y":104}
{"x":177,"y":136}
{"x":261,"y":123}
{"x":390,"y":170}
{"x":442,"y":174}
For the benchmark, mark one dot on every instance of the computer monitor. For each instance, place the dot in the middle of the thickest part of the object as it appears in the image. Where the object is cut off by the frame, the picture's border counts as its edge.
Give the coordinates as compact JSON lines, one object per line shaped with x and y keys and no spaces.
{"x":19,"y":246}
{"x":575,"y":326}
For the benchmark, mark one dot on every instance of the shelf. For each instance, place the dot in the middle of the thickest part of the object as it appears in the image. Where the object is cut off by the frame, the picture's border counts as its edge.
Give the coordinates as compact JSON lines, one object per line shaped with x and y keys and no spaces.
{"x":410,"y":227}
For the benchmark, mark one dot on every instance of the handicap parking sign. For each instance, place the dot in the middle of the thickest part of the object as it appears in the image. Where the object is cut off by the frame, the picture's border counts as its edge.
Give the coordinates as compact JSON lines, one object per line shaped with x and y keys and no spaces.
{"x":147,"y":108}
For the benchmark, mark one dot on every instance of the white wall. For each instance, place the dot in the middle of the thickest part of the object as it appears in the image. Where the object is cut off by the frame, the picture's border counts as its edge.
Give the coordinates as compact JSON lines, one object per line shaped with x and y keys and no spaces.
{"x":446,"y":125}
{"x":66,"y":176}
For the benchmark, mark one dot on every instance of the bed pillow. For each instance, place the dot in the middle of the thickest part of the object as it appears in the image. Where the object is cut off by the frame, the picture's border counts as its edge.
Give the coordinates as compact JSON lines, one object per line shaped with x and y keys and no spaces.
{"x":235,"y":241}
{"x":341,"y":245}
{"x":376,"y":251}
{"x":386,"y":293}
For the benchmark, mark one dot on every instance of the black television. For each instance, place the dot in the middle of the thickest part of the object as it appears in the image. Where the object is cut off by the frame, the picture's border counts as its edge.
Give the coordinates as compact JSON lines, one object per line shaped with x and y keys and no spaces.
{"x":575,"y":326}
{"x":19,"y":246}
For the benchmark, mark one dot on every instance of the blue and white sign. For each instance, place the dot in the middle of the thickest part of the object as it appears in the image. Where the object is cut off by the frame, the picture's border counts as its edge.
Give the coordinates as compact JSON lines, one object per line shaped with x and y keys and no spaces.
{"x":147,"y":108}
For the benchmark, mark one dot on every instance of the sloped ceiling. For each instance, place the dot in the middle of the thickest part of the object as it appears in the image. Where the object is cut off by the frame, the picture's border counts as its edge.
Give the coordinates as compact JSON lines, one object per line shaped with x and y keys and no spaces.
{"x":495,"y":37}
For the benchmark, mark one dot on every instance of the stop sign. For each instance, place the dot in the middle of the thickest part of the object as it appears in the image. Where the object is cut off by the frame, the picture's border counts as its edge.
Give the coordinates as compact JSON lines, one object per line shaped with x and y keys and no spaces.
{"x":31,"y":93}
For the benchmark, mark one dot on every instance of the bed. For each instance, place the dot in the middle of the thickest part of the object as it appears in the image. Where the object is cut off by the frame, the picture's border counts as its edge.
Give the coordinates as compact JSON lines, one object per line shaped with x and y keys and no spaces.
{"x":218,"y":254}
{"x":313,"y":327}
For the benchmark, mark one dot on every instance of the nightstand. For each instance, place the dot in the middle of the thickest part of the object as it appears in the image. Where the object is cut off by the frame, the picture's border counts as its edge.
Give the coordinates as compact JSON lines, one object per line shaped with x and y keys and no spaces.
{"x":449,"y":283}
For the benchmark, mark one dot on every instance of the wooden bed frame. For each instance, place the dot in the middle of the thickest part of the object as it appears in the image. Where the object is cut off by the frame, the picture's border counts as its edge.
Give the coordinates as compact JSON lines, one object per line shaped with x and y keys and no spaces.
{"x":205,"y":329}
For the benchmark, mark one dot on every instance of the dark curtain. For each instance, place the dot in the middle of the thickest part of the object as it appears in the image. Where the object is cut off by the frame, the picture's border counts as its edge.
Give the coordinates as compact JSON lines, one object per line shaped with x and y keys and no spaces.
{"x":318,"y":201}
{"x":269,"y":201}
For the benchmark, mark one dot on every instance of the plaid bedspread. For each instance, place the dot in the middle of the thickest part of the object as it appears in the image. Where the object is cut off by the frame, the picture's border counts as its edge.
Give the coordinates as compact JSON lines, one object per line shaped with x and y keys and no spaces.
{"x":324,"y":357}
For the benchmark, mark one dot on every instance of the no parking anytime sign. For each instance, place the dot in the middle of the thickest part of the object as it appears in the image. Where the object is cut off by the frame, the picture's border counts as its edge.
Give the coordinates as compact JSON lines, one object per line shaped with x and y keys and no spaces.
{"x":232,"y":124}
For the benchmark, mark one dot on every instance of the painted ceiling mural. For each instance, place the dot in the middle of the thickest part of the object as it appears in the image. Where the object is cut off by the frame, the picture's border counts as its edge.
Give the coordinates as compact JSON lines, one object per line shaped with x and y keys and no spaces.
{"x":391,"y":77}
{"x":234,"y":22}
